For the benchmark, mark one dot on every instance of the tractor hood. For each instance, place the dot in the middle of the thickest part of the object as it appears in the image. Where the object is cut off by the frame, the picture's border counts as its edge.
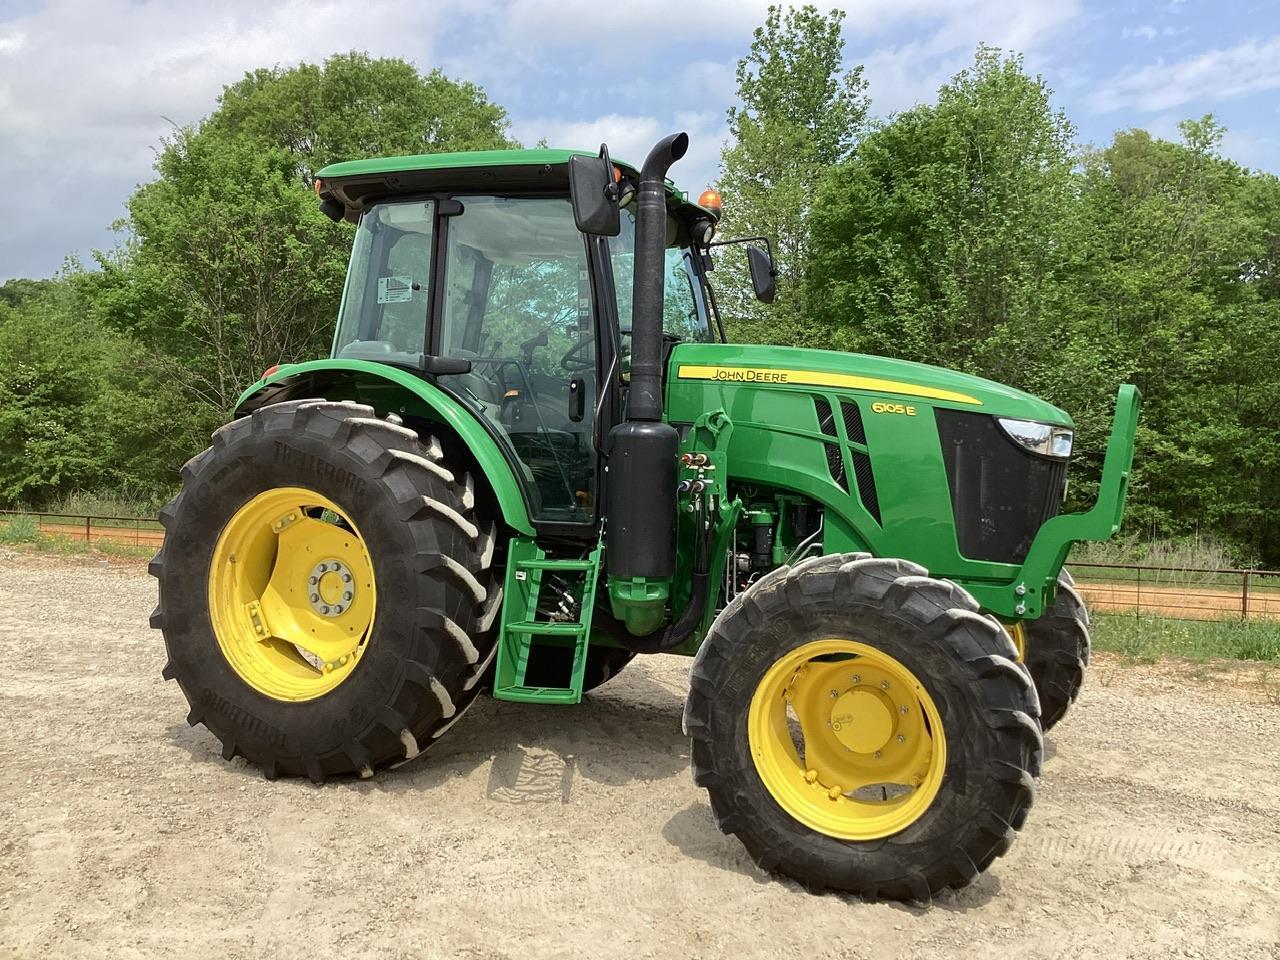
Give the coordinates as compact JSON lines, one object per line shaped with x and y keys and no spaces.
{"x":898,"y":381}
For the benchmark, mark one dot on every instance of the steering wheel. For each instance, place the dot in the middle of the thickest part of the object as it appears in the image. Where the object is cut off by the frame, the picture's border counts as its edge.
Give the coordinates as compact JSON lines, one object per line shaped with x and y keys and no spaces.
{"x":574,"y":362}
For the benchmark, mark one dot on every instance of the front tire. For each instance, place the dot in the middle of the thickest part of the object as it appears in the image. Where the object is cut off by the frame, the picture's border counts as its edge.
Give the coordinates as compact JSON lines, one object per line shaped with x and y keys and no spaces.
{"x":893,"y":654}
{"x":1057,"y":651}
{"x":325,"y":590}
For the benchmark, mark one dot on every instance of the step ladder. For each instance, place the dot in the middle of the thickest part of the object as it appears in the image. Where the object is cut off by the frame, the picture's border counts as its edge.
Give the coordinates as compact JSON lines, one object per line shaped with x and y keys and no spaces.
{"x":522,"y":629}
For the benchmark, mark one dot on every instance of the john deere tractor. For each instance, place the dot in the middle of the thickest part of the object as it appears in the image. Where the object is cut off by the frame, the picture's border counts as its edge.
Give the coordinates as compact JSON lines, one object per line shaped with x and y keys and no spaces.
{"x":533,"y":455}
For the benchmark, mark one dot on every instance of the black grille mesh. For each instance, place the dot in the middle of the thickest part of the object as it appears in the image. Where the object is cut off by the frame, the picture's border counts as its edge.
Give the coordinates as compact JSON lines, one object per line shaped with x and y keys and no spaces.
{"x":827,"y":424}
{"x":1000,"y":494}
{"x":853,"y":422}
{"x":861,"y":462}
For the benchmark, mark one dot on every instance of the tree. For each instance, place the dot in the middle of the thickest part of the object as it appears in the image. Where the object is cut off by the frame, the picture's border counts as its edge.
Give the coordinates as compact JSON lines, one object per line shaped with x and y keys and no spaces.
{"x":354,"y":106}
{"x":80,"y":409}
{"x":800,"y":112}
{"x":229,"y":266}
{"x":1180,"y":278}
{"x":935,"y":240}
{"x":235,"y":268}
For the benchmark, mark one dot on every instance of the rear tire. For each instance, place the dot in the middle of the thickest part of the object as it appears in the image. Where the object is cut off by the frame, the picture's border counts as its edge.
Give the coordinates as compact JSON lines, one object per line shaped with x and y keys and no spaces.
{"x":430,"y":639}
{"x":966,"y":665}
{"x":1057,"y":651}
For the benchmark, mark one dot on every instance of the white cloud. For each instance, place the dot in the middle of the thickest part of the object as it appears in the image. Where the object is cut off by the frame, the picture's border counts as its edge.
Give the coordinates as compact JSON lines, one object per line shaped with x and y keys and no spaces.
{"x":88,"y":87}
{"x":1144,"y":32}
{"x":1214,"y":75}
{"x":630,"y":137}
{"x":902,"y":75}
{"x":11,"y":41}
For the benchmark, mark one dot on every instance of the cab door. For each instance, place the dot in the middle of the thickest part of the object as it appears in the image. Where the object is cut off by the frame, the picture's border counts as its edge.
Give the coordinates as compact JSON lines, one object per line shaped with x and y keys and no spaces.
{"x":516,"y":300}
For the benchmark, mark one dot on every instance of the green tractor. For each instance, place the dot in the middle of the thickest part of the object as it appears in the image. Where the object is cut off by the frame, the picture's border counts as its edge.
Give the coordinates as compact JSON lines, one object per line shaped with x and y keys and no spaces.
{"x":533,"y":455}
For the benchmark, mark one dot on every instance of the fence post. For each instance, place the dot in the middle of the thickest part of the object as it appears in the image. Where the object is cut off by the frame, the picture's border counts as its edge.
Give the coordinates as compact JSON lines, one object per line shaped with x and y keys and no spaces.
{"x":1244,"y":597}
{"x":86,"y":529}
{"x":1137,"y":600}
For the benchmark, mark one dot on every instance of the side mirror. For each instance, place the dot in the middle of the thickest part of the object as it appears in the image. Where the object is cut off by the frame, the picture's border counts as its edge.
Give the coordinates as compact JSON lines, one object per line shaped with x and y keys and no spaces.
{"x":594,"y":194}
{"x":763,"y":275}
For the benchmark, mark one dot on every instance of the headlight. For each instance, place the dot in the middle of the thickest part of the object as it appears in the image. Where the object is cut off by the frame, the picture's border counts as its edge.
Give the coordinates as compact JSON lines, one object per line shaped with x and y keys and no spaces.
{"x":1043,"y":438}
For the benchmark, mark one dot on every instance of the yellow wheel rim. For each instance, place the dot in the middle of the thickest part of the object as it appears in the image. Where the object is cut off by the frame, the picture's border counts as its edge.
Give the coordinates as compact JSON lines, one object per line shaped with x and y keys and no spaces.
{"x":1018,"y":634}
{"x":847,"y":740}
{"x":291,"y":594}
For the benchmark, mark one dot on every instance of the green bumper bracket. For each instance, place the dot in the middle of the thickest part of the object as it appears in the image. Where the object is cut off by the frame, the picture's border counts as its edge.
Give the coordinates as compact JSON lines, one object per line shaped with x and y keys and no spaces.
{"x":1033,"y":589}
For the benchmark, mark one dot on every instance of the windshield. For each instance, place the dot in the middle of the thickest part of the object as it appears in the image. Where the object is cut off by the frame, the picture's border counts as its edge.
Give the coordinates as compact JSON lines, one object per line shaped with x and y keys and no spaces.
{"x":684,"y":308}
{"x":384,"y":303}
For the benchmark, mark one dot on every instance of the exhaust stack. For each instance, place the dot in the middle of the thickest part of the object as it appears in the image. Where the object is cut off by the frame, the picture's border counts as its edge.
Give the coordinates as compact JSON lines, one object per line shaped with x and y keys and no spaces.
{"x":641,"y":496}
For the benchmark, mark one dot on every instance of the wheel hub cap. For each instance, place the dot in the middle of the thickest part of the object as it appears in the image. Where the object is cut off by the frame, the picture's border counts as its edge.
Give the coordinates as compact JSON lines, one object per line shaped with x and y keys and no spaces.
{"x":291,"y":594}
{"x":863,"y":720}
{"x":332,"y":588}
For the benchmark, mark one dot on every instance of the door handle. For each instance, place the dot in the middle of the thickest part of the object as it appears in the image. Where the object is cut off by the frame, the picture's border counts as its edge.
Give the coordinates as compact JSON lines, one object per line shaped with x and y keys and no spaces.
{"x":577,"y":399}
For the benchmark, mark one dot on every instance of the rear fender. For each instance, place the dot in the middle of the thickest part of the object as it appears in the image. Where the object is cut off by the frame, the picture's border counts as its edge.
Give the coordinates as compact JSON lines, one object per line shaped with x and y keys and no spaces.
{"x":392,"y":390}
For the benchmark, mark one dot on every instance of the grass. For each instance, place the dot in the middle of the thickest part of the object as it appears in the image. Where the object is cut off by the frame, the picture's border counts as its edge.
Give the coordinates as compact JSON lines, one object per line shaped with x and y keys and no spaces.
{"x":1147,"y":639}
{"x":105,"y":504}
{"x":99,"y":504}
{"x":22,"y":528}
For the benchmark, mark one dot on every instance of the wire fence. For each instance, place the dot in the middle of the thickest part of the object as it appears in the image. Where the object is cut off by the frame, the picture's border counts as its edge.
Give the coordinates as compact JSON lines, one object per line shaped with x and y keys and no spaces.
{"x":1179,"y":593}
{"x":139,"y":531}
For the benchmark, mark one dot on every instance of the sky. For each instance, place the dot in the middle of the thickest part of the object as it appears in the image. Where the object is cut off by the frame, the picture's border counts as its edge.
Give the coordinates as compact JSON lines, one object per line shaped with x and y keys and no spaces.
{"x":88,"y":87}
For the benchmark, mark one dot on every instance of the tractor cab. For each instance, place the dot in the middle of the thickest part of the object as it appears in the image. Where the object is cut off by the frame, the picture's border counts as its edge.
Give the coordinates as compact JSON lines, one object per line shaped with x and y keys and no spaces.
{"x":496,"y":293}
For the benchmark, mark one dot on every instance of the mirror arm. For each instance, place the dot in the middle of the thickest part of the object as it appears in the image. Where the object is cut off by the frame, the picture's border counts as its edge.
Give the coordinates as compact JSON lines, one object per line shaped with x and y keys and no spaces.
{"x":768,"y":247}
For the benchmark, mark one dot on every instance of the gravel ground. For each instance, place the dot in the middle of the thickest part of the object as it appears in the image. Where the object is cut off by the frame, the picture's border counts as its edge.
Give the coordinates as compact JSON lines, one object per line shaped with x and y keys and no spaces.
{"x":541,"y":831}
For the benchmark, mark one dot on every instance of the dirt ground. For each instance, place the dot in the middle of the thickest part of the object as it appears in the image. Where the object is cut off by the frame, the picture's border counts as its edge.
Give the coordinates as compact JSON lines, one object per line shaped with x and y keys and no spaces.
{"x":551,"y":832}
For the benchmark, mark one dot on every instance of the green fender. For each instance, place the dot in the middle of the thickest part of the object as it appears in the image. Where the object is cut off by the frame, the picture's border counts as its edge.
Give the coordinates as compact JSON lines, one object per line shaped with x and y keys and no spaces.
{"x":394,"y":390}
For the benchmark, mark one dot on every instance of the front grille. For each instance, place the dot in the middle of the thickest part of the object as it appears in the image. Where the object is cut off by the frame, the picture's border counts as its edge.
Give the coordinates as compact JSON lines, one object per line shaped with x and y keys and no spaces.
{"x":1000,"y":494}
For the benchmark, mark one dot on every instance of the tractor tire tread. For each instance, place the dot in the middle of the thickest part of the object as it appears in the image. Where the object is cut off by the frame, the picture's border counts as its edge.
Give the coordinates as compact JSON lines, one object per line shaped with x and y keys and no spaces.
{"x":999,"y":704}
{"x":441,"y":544}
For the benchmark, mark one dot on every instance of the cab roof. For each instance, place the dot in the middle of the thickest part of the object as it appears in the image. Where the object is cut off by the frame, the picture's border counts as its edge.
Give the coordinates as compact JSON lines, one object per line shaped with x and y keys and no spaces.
{"x":355,"y":181}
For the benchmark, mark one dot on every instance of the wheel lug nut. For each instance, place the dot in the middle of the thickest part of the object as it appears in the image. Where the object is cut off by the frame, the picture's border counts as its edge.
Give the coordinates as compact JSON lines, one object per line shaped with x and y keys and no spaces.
{"x":324,"y":610}
{"x":315,"y":598}
{"x":857,"y":678}
{"x":901,"y":738}
{"x":346,"y":578}
{"x":834,"y":793}
{"x":313,"y":580}
{"x":811,"y":775}
{"x":903,"y":710}
{"x":347,"y":597}
{"x":884,"y":684}
{"x":834,"y":694}
{"x":877,"y":754}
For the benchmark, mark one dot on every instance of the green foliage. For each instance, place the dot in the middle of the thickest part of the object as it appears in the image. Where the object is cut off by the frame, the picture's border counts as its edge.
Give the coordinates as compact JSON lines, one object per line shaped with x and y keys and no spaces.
{"x":800,"y":112}
{"x":353,"y":106}
{"x":970,"y":235}
{"x":79,"y":406}
{"x":22,"y":528}
{"x":938,"y":234}
{"x":231,"y":267}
